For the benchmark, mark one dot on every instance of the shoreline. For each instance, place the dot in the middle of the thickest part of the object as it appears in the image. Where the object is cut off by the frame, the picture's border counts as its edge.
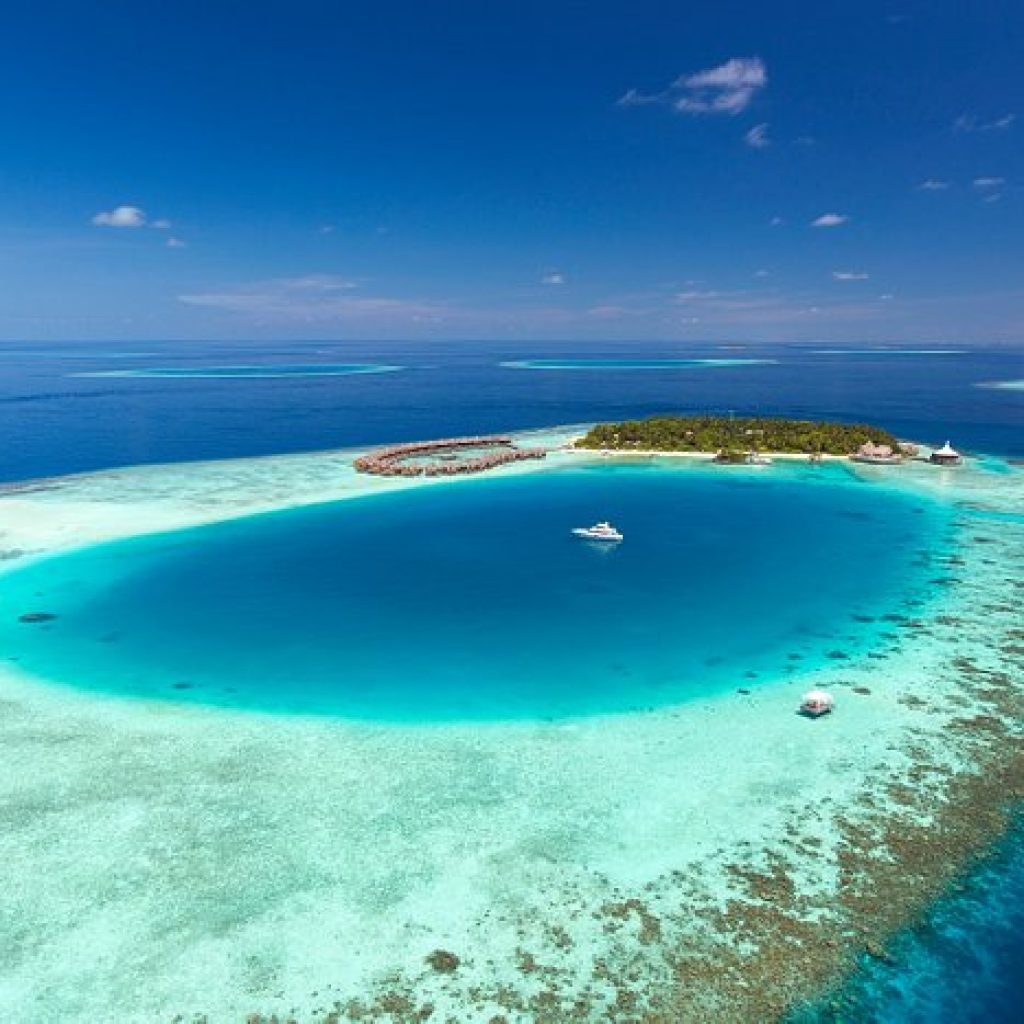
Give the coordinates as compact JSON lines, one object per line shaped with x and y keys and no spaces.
{"x":706,"y":456}
{"x":649,"y":874}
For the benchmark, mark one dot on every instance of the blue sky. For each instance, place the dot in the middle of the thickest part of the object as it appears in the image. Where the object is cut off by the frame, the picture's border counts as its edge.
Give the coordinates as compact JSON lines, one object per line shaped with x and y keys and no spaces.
{"x":569,"y":170}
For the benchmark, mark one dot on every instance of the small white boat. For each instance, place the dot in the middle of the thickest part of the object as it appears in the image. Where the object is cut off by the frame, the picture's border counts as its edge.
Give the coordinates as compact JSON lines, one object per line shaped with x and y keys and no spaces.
{"x":599,"y":531}
{"x":816,"y":703}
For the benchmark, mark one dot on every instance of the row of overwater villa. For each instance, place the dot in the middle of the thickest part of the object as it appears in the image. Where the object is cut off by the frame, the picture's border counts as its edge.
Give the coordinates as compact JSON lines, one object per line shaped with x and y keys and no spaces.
{"x":445,"y":457}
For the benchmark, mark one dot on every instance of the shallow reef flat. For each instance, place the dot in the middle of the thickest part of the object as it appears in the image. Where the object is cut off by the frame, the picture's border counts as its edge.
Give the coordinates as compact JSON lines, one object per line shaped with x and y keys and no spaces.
{"x":244,"y":372}
{"x":619,"y":365}
{"x":720,"y":860}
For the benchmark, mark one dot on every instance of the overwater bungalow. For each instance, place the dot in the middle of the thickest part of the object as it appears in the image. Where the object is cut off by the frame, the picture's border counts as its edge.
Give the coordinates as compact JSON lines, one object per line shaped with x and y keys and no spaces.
{"x":878,"y":454}
{"x":816,"y":703}
{"x":445,"y":457}
{"x":946,"y":456}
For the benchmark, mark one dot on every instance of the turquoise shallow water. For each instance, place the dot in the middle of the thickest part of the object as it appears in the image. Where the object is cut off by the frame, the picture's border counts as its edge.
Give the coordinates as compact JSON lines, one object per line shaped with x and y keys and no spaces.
{"x":473,"y":601}
{"x":246,"y":372}
{"x":628,"y":364}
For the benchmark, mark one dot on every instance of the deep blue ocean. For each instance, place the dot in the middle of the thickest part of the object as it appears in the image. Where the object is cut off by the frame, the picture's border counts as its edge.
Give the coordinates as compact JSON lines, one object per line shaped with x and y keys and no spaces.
{"x":55,"y":421}
{"x":963,"y":963}
{"x":76,"y":407}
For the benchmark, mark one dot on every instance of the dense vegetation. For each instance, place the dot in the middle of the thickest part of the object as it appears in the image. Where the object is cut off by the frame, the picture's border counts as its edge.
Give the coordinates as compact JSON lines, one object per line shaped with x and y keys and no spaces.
{"x":719,"y":433}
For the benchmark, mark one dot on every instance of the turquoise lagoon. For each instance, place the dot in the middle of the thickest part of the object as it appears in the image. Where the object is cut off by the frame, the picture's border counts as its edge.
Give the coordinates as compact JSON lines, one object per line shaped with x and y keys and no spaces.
{"x":470,"y":600}
{"x":246,"y":372}
{"x":629,"y":364}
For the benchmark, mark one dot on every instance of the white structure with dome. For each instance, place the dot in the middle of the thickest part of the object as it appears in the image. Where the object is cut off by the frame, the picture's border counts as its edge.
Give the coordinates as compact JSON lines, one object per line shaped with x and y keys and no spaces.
{"x":947,"y":455}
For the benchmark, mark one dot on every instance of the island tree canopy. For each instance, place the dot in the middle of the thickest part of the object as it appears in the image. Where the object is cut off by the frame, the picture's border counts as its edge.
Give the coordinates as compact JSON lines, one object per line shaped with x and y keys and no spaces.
{"x":715,"y":433}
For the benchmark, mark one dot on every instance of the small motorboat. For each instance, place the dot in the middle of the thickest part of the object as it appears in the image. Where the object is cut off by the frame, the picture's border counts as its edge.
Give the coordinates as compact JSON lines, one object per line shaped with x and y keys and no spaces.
{"x":599,"y":531}
{"x":816,"y":703}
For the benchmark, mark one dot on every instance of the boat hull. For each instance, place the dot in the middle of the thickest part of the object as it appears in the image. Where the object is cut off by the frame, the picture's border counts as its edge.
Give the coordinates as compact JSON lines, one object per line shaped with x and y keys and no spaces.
{"x":605,"y":537}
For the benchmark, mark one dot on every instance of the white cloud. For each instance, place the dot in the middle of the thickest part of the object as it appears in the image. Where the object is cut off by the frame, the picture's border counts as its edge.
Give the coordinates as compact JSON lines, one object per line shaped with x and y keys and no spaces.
{"x":767,"y":306}
{"x":761,"y":273}
{"x":971,"y":123}
{"x":316,"y":298}
{"x":635,"y":98}
{"x":849,"y":275}
{"x":933,"y":185}
{"x":727,"y":89}
{"x":989,"y":188}
{"x":829,"y":220}
{"x":611,"y":312}
{"x":776,"y":221}
{"x":121,"y":217}
{"x":554,"y":277}
{"x":325,"y":229}
{"x":161,"y":224}
{"x":757,"y":137}
{"x":175,"y":243}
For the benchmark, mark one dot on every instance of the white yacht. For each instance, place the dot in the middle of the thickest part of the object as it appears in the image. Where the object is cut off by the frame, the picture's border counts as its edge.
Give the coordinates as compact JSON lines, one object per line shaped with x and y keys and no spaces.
{"x":599,"y":531}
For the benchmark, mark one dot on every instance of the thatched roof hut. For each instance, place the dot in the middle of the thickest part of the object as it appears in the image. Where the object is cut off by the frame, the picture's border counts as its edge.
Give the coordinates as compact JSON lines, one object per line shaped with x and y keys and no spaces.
{"x":871,"y":452}
{"x":817,"y":702}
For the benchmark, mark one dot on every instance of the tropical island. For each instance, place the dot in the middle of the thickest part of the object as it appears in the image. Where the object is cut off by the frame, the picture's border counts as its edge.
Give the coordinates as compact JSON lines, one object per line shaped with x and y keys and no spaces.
{"x":734,"y":437}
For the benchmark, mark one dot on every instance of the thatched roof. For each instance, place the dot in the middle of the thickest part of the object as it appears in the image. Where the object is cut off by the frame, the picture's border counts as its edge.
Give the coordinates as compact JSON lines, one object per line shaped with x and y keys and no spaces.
{"x":817,"y":697}
{"x":875,"y":451}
